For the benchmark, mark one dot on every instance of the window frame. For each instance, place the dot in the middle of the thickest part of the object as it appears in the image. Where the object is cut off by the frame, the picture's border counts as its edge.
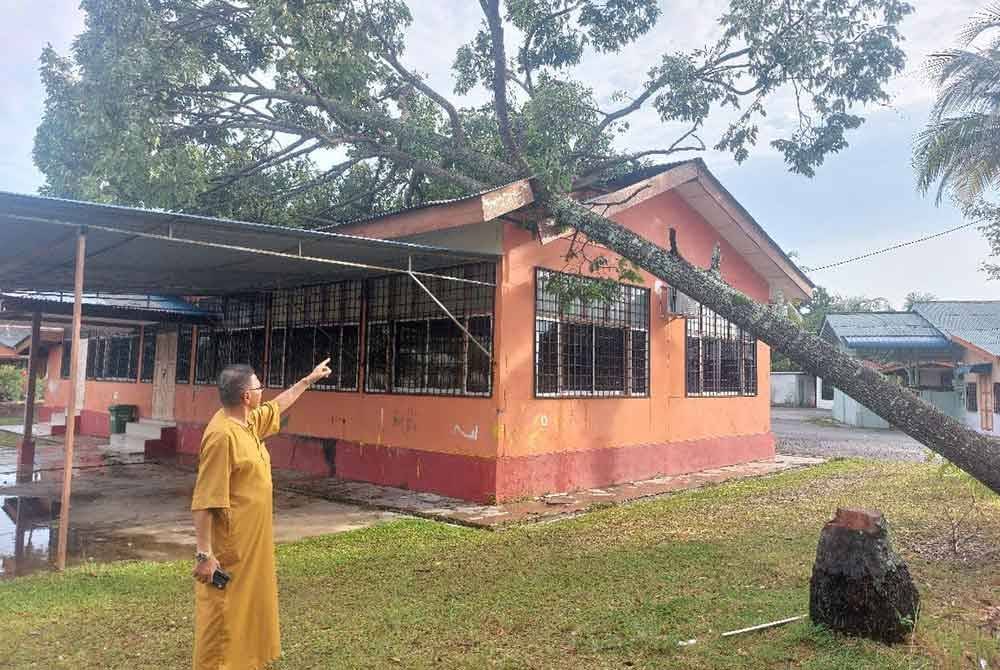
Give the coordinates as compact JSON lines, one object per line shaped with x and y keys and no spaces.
{"x":721,"y":333}
{"x":971,"y":397}
{"x":402,"y":298}
{"x":628,"y":326}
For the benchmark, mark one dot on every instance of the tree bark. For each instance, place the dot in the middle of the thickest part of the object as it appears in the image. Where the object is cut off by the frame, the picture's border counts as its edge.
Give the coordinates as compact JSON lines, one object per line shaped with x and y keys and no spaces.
{"x":973,"y":452}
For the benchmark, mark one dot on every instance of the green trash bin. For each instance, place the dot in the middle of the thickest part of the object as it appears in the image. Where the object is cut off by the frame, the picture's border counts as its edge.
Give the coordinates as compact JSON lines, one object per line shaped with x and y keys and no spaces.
{"x":121,"y":415}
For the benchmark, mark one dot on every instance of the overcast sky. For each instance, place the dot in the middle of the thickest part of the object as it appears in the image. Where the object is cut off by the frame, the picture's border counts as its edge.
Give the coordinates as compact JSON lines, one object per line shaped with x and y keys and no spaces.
{"x":861,"y":200}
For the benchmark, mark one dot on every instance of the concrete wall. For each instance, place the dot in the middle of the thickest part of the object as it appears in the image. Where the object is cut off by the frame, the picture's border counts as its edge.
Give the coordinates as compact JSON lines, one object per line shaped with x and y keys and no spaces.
{"x":552,"y":444}
{"x":793,"y":389}
{"x":848,"y":410}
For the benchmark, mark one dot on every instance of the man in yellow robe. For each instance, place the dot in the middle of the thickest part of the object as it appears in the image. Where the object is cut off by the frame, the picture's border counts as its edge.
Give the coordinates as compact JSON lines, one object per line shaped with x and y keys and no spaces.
{"x":236,"y":628}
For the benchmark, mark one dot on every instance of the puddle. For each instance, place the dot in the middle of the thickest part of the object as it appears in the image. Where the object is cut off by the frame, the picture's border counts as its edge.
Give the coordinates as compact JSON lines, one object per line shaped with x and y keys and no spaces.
{"x":29,"y":536}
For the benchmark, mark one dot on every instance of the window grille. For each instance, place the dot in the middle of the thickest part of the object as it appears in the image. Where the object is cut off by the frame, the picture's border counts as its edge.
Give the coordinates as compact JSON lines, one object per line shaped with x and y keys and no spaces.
{"x":185,"y":342}
{"x":971,"y":401}
{"x":413,"y":347}
{"x":596,"y":349}
{"x":114,"y":358}
{"x":148,"y":354}
{"x":205,"y":359}
{"x":313,"y":323}
{"x":720,"y":357}
{"x":64,"y":362}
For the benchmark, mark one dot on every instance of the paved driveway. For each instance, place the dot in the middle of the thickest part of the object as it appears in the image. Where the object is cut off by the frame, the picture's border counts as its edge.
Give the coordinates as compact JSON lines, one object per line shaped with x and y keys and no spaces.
{"x":812,"y":432}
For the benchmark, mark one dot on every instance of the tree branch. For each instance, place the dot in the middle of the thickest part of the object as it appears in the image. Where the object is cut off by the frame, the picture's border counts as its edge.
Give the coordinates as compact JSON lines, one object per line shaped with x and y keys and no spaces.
{"x":491,"y":8}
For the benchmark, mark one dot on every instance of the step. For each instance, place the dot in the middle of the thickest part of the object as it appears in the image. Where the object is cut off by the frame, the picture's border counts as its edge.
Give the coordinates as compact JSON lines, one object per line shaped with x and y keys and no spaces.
{"x":37,"y":430}
{"x":162,"y":423}
{"x":123,"y":443}
{"x":147,"y":431}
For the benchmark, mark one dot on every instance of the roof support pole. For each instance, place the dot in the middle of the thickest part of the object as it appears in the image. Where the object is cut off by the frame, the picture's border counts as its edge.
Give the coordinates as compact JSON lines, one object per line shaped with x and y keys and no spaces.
{"x":26,"y":447}
{"x":74,"y":366}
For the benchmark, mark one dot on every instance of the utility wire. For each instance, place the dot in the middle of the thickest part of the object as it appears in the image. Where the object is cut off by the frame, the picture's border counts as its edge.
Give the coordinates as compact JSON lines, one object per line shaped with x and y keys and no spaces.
{"x":892,"y":248}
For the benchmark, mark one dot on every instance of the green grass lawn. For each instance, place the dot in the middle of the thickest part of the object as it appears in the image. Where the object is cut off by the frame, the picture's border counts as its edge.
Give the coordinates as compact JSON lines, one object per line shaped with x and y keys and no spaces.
{"x":617,"y":588}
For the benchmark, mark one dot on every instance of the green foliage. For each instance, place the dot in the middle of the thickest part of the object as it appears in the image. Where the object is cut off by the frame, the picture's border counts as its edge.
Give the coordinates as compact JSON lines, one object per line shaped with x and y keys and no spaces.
{"x":303,"y":113}
{"x":11,"y":383}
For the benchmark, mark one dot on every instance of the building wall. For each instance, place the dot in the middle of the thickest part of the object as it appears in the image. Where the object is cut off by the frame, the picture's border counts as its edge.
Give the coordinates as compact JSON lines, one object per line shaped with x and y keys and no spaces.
{"x":974,"y":420}
{"x":793,"y":389}
{"x":550,"y":444}
{"x":513,"y":444}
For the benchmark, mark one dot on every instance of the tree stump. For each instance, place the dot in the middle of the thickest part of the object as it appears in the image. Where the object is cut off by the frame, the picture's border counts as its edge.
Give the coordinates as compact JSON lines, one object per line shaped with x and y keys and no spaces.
{"x":860,"y":586}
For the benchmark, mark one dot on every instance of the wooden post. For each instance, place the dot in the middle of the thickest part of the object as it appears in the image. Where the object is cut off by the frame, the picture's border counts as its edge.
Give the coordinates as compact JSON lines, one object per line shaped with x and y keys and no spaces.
{"x":74,"y":366}
{"x":26,"y":448}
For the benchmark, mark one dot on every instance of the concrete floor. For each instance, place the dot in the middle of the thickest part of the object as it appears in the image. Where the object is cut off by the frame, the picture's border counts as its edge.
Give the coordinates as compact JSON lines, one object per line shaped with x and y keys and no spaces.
{"x":125,"y":508}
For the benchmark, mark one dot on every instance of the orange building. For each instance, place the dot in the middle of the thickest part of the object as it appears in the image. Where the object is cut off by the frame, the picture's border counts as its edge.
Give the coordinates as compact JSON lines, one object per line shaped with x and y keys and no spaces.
{"x":512,"y":392}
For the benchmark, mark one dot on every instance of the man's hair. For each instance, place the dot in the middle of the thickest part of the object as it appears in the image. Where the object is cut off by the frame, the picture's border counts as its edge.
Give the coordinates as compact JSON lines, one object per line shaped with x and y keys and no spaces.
{"x":234,"y":380}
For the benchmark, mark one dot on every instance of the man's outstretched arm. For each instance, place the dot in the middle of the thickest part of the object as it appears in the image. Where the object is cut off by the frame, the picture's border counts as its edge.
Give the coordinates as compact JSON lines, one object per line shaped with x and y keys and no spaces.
{"x":287,"y":398}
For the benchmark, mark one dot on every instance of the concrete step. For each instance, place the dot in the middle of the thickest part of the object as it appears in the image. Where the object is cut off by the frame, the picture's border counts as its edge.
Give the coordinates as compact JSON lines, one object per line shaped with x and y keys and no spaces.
{"x":38,"y":430}
{"x":59,"y":418}
{"x":147,"y":431}
{"x":123,"y":443}
{"x":163,"y":423}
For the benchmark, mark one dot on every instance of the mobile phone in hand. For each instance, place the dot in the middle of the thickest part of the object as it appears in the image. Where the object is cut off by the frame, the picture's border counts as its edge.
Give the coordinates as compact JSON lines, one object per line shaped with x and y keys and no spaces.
{"x":220,"y":578}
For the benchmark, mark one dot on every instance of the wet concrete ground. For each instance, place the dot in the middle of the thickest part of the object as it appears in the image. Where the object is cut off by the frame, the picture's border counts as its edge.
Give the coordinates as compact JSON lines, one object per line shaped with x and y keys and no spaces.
{"x":125,"y":508}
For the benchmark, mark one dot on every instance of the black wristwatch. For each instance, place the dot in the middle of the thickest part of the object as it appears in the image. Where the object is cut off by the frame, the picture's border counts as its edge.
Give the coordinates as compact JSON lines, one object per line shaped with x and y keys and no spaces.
{"x":202,"y":556}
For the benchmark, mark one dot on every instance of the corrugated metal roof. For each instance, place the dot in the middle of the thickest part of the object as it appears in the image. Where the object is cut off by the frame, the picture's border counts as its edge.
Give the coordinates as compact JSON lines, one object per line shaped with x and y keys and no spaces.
{"x":144,"y":303}
{"x":132,"y":250}
{"x":976,"y":322}
{"x":11,"y":335}
{"x":884,"y":330}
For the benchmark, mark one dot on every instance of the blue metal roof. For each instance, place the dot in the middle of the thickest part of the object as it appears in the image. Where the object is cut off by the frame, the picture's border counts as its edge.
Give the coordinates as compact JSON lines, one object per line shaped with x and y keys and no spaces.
{"x":132,"y":302}
{"x":976,"y":322}
{"x":897,"y":342}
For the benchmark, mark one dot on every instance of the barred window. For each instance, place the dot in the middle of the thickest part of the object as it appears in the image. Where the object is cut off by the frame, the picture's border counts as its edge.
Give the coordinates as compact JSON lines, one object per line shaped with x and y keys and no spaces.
{"x":185,"y":342}
{"x":238,"y":338}
{"x":114,"y":358}
{"x":313,"y":323}
{"x":205,"y":359}
{"x":596,"y":349}
{"x":64,"y":362}
{"x":971,"y":399}
{"x":720,"y":357}
{"x":414,"y":347}
{"x":148,"y":357}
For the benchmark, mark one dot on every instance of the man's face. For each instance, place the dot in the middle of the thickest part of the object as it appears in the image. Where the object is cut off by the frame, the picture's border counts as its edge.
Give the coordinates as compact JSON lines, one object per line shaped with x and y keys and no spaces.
{"x":252,"y":396}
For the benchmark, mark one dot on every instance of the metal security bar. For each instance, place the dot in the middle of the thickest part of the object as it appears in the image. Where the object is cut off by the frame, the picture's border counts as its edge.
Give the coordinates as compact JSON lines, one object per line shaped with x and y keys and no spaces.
{"x":720,"y":357}
{"x":597,"y":349}
{"x":432,"y":336}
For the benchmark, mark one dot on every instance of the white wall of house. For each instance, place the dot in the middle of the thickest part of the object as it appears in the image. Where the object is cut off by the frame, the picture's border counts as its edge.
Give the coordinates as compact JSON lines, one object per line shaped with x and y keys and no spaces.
{"x":793,"y":389}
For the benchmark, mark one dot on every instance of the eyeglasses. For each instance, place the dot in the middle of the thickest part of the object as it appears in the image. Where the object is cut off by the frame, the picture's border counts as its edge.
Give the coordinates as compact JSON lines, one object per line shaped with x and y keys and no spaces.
{"x":255,"y":388}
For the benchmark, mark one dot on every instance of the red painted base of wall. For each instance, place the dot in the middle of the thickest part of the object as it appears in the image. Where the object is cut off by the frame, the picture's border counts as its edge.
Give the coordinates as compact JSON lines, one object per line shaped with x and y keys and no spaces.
{"x":94,"y":423}
{"x":462,"y":477}
{"x":288,"y":452}
{"x":485,"y":480}
{"x":571,"y":471}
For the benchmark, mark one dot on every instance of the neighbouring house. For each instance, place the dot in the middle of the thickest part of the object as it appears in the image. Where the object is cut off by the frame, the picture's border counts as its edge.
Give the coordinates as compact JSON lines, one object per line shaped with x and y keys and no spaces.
{"x":946,"y":351}
{"x":974,"y":327}
{"x":793,"y":389}
{"x":476,"y":381}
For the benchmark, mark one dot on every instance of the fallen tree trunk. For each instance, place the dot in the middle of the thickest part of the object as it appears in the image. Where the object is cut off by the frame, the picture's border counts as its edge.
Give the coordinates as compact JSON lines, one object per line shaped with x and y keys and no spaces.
{"x":973,"y":452}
